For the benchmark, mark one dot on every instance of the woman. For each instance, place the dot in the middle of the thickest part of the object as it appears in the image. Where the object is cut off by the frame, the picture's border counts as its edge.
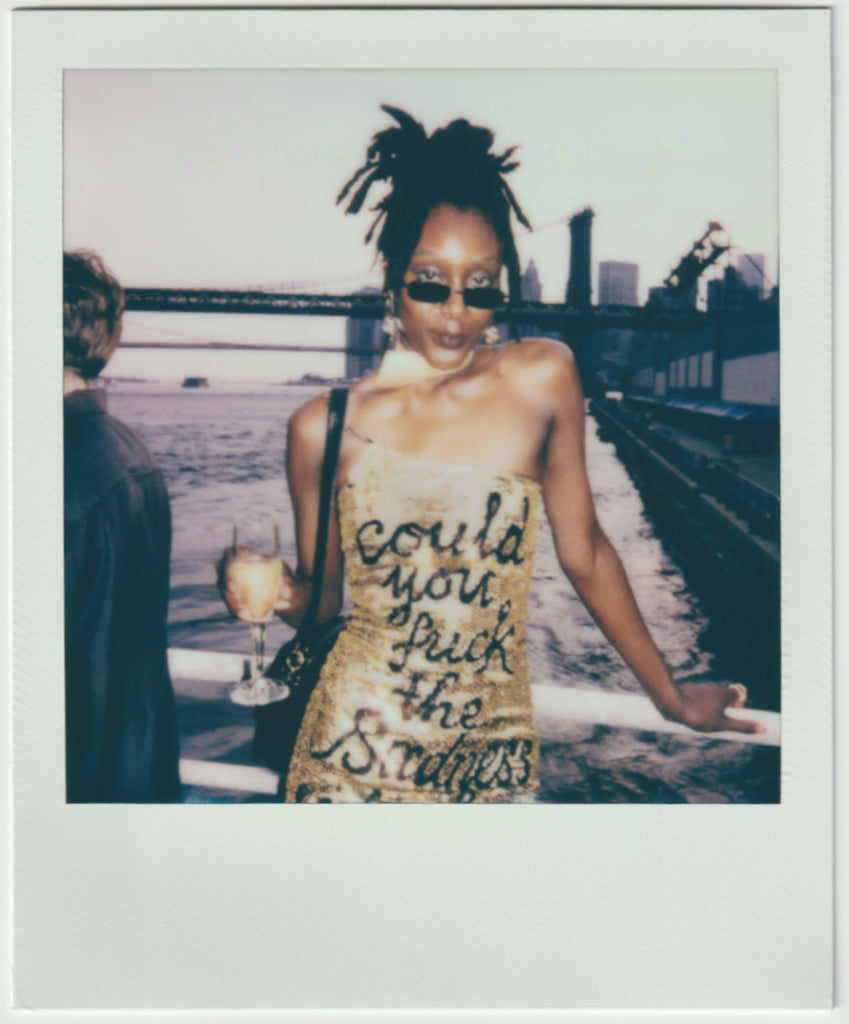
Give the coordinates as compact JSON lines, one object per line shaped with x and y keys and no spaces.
{"x":451,"y":450}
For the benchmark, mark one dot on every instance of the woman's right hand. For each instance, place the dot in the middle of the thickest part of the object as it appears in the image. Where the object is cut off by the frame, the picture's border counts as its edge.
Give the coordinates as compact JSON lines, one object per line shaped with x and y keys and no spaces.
{"x":292,"y":597}
{"x":705,"y":705}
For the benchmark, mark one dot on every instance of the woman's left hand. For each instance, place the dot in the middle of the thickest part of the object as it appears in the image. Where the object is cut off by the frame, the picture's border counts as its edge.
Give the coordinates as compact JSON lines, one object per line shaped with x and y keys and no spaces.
{"x":705,"y":705}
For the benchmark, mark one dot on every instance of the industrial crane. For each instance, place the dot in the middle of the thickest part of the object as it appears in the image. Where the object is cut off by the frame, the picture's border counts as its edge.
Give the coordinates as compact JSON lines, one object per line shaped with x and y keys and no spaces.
{"x":705,"y":251}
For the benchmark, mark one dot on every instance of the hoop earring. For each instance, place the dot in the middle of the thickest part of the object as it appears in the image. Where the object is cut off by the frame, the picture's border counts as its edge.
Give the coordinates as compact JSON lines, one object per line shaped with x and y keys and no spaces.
{"x":391,"y":325}
{"x":491,"y":335}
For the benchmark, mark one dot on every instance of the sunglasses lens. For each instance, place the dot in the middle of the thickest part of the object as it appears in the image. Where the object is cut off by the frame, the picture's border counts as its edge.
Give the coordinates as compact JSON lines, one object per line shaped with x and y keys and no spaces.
{"x":475,"y":298}
{"x":483,"y":298}
{"x":428,"y":291}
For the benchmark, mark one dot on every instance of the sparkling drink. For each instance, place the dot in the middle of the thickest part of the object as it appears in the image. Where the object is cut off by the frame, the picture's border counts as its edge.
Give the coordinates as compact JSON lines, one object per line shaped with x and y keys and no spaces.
{"x":257,"y":577}
{"x":252,"y":580}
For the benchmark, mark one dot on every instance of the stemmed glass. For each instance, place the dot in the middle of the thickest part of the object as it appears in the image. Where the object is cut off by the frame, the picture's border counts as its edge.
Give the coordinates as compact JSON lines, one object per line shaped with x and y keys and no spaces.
{"x":254,"y":577}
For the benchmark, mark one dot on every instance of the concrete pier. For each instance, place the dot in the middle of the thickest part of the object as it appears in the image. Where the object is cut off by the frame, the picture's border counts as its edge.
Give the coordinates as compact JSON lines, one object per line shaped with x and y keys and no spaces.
{"x":719,"y":513}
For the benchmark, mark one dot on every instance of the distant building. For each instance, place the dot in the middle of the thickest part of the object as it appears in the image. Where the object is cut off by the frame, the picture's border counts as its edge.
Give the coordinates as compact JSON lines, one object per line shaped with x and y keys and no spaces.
{"x":750,"y":267}
{"x":531,"y":284}
{"x":362,"y":334}
{"x":658,"y":295}
{"x":732,"y":357}
{"x":531,"y":292}
{"x":731,"y":292}
{"x":617,"y":283}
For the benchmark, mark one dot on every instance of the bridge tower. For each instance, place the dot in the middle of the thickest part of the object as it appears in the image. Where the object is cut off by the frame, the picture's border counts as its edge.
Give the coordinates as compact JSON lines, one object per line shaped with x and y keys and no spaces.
{"x":579,"y":288}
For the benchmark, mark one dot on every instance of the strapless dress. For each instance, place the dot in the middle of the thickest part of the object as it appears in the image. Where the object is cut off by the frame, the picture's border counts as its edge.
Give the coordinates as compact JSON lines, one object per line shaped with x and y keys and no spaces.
{"x":426,"y":695}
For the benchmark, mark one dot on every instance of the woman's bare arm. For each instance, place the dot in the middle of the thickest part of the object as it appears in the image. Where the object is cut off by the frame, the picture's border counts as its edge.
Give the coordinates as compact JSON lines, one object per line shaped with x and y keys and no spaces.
{"x":593,"y":566}
{"x":307,"y":435}
{"x":304,"y":456}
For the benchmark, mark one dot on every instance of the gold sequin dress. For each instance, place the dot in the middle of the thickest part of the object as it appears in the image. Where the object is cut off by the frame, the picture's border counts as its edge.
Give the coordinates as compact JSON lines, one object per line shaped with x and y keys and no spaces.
{"x":426,"y":695}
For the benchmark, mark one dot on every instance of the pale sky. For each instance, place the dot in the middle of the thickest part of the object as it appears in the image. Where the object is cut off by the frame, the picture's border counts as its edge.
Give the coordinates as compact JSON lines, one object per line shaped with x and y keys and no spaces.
{"x":228,"y":179}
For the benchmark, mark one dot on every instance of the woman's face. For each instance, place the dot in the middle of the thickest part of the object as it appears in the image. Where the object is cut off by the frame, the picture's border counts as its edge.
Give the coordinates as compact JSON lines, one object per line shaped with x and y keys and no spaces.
{"x":459,"y":248}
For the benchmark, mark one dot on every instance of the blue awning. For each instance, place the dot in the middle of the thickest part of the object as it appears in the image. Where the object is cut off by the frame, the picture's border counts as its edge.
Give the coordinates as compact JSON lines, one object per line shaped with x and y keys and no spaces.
{"x":737,"y":411}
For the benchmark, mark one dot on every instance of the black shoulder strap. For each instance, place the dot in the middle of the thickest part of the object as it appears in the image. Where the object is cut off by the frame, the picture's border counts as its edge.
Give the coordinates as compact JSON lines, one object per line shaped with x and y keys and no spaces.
{"x":329,"y":466}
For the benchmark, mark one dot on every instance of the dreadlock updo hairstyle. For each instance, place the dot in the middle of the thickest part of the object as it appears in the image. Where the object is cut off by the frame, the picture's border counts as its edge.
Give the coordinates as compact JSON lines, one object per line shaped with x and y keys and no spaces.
{"x":455,"y":166}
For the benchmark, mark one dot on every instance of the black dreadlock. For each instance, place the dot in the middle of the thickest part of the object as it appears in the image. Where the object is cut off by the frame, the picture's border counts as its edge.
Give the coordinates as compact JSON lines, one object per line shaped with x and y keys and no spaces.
{"x":455,"y":166}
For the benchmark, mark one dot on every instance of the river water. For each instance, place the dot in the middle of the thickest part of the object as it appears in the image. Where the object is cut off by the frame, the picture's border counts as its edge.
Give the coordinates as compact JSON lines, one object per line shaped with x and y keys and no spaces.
{"x":221,"y":450}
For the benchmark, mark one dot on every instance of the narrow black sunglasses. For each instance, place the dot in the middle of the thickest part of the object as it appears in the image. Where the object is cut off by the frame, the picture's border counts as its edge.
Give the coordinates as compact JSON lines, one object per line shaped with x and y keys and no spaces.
{"x":433,"y":291}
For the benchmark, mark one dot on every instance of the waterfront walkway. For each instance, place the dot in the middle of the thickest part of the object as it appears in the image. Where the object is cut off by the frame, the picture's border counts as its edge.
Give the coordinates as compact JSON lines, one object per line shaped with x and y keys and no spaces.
{"x":737,"y":491}
{"x":762,"y":470}
{"x":720,"y":512}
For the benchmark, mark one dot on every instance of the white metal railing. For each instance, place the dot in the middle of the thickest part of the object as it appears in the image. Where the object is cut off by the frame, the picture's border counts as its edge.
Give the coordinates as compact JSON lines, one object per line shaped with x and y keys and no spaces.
{"x":243,"y":778}
{"x":555,"y":709}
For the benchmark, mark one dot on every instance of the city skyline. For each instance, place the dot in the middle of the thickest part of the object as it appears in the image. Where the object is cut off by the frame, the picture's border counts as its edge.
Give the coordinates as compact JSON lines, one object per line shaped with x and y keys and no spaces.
{"x":228,"y":179}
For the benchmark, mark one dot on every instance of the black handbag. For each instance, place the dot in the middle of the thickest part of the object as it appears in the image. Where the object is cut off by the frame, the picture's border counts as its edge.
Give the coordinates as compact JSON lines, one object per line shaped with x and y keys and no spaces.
{"x":298,"y":663}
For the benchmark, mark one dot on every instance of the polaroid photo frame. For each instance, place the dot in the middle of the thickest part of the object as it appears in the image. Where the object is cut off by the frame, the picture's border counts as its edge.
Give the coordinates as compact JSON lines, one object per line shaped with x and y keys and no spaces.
{"x":558,"y":907}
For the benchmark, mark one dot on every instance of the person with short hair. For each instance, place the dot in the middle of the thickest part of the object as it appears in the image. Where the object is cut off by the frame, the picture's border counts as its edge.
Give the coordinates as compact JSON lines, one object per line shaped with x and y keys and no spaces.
{"x":120,"y":714}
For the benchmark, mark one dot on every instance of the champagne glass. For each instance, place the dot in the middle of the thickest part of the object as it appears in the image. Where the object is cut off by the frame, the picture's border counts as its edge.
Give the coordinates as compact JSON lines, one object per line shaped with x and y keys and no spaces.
{"x":255,"y":576}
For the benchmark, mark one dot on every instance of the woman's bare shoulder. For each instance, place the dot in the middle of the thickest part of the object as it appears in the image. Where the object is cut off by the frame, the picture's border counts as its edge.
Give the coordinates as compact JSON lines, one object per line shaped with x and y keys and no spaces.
{"x":541,"y":365}
{"x":308,"y":423}
{"x":542,"y":350}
